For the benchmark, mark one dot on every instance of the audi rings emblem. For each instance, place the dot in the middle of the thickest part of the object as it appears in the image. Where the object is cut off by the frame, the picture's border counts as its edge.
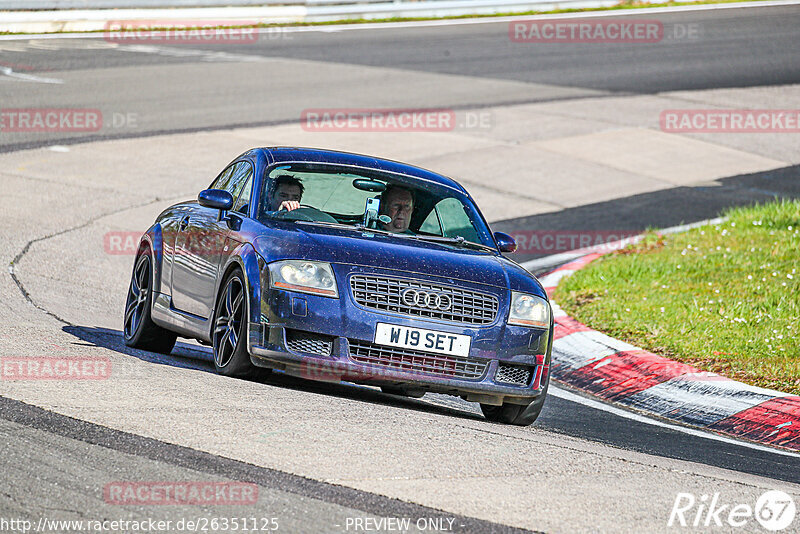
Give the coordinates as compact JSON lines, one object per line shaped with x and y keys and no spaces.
{"x":420,"y":298}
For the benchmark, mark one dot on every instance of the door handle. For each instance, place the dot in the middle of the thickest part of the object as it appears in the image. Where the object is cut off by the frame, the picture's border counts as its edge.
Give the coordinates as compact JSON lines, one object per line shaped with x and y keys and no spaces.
{"x":184,"y":223}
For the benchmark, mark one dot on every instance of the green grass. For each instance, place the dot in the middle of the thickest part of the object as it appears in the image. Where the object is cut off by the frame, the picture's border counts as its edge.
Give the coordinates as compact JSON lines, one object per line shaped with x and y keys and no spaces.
{"x":624,"y":4}
{"x":724,"y":298}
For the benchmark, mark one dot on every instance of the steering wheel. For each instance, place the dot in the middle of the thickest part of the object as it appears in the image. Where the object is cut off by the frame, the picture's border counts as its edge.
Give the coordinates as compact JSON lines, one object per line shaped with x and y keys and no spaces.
{"x":305,"y":213}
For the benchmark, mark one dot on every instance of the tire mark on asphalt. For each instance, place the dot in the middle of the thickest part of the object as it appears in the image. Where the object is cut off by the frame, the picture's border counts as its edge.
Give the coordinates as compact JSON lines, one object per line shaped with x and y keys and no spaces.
{"x":28,"y":245}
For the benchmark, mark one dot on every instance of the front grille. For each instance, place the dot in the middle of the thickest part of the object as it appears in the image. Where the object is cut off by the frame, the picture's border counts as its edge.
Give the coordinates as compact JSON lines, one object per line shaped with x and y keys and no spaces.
{"x":308,"y":343}
{"x":383,"y":294}
{"x":511,"y":374}
{"x":415,"y":361}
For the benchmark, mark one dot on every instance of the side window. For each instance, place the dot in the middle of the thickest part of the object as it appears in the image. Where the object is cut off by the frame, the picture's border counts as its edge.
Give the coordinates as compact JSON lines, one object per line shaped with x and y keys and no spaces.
{"x":454,"y":220}
{"x":239,"y":177}
{"x":431,"y":225}
{"x":233,"y":178}
{"x":243,"y":202}
{"x":223,"y":179}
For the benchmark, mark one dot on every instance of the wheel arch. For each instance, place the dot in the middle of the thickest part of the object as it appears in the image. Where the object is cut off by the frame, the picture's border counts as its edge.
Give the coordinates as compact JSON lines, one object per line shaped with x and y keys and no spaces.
{"x":245,"y":258}
{"x":153,"y":240}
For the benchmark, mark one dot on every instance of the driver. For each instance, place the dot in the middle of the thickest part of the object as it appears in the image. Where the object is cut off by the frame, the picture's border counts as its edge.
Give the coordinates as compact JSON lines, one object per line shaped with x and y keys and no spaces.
{"x":398,"y":203}
{"x":284,"y":193}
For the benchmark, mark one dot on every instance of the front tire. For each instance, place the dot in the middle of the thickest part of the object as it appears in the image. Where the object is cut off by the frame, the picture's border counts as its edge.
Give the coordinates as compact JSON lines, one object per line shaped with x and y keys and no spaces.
{"x":516,"y":414}
{"x":139,"y":330}
{"x":229,"y":337}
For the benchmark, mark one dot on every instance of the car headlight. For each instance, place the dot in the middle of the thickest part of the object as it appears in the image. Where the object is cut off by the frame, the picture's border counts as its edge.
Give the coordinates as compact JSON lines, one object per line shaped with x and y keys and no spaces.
{"x":304,"y":276}
{"x":529,"y":310}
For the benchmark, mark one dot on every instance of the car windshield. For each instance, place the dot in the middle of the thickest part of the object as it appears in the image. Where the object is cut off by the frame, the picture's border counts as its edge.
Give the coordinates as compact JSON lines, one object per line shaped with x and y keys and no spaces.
{"x":329,"y":194}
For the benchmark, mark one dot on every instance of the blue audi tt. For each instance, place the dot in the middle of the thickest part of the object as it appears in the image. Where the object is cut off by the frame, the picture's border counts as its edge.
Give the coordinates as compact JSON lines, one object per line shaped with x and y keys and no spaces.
{"x":335,"y":266}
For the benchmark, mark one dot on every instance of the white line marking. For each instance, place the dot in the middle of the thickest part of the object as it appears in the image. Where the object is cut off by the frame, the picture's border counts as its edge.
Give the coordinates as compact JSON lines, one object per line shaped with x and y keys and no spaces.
{"x":583,"y":348}
{"x":28,"y":77}
{"x":572,"y":397}
{"x":451,"y":22}
{"x":557,"y":311}
{"x":690,"y":399}
{"x":553,"y":279}
{"x":204,"y":55}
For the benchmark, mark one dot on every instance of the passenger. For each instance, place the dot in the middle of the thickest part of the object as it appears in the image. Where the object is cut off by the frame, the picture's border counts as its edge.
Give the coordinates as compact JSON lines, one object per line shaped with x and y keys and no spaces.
{"x":398,"y":203}
{"x":285,"y":193}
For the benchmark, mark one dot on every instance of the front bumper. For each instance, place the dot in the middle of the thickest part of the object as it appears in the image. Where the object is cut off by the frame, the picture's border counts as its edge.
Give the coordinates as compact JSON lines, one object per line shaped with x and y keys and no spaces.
{"x":496,"y":347}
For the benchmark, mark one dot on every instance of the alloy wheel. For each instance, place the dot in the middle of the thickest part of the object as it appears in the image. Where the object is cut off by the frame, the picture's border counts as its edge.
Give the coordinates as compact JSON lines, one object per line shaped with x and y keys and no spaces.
{"x":137,"y":296}
{"x":230,"y":312}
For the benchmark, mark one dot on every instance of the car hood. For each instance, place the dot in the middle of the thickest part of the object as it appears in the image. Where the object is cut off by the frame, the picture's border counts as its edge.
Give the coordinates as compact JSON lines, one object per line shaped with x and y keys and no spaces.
{"x":346,"y":247}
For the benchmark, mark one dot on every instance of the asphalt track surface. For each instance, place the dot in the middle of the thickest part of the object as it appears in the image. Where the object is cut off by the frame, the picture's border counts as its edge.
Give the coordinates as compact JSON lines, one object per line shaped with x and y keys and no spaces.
{"x":479,"y":54}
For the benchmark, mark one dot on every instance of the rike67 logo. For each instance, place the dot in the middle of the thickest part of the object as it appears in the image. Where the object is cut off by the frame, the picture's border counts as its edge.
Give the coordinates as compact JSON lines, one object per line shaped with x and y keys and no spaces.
{"x":774,"y":511}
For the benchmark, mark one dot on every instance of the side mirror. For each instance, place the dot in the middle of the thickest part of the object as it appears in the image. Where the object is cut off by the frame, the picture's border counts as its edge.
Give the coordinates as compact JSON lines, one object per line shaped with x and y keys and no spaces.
{"x":218,"y":199}
{"x":505,"y":243}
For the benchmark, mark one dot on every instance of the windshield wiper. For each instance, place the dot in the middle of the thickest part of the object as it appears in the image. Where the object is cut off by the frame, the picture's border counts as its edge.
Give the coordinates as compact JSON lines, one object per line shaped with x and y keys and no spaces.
{"x":326,"y":223}
{"x":458,"y":240}
{"x":358,"y":227}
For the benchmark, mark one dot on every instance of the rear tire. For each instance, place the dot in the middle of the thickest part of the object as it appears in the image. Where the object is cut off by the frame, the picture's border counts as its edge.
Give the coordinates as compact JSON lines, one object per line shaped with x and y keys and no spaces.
{"x":516,"y":414}
{"x":229,"y":337}
{"x":138,"y":329}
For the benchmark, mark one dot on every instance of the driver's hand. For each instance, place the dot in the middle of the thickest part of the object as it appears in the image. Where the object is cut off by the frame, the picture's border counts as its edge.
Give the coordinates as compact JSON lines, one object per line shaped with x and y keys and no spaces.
{"x":289,"y":205}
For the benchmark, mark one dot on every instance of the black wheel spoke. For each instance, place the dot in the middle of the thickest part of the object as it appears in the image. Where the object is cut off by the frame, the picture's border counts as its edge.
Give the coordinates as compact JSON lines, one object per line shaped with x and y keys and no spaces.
{"x":222,"y":360}
{"x":229,"y":299}
{"x":135,"y":291}
{"x":237,"y":303}
{"x":233,"y":338}
{"x":134,"y":322}
{"x":141,"y":283}
{"x":132,"y":306}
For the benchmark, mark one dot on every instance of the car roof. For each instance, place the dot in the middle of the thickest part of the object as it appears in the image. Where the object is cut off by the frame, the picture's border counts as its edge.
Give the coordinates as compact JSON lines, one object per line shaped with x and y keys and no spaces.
{"x":317,"y":155}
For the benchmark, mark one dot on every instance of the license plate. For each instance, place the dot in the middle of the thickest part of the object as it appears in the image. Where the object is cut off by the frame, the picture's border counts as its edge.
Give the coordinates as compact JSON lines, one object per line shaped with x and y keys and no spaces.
{"x":421,"y":339}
